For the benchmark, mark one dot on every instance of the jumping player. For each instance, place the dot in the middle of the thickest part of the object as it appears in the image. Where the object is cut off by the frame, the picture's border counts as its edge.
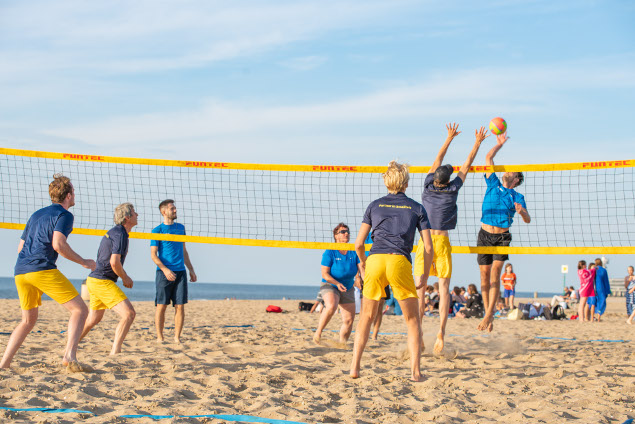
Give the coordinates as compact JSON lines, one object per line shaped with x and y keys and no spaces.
{"x":393,"y":218}
{"x":43,"y":239}
{"x":500,"y":204}
{"x":439,"y":200}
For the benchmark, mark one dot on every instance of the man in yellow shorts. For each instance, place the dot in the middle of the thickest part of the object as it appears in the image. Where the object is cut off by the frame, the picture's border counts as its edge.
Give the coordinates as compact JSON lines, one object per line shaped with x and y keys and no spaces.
{"x":102,"y":282}
{"x":393,"y":219}
{"x":43,"y":239}
{"x":439,"y":199}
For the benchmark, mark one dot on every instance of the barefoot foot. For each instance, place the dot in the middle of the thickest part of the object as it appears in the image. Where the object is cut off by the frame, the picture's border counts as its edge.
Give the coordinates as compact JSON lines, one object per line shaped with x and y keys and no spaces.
{"x":75,"y":366}
{"x":439,"y":344}
{"x":486,"y":324}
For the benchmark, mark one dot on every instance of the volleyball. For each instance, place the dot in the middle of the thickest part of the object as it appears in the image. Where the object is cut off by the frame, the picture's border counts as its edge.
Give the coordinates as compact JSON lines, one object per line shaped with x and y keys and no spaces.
{"x":498,"y":126}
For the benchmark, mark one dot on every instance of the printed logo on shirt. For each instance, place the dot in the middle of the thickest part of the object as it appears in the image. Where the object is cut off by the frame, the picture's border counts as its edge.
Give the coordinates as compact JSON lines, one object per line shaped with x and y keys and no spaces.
{"x":395,"y":206}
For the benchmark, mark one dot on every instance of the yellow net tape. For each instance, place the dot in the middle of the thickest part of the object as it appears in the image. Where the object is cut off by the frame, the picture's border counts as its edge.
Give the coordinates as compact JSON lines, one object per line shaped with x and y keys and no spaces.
{"x":295,"y":206}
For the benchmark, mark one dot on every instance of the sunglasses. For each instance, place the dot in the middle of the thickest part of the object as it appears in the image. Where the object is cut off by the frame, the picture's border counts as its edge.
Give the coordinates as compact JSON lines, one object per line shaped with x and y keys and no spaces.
{"x":343,"y":232}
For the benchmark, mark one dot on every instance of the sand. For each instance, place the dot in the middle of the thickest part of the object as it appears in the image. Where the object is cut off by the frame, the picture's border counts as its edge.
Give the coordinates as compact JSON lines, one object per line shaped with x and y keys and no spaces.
{"x":274,"y":370}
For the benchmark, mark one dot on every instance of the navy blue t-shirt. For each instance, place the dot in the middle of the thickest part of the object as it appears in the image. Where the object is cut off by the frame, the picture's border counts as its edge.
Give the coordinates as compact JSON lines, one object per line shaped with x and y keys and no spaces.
{"x":38,"y":254}
{"x":115,"y":242}
{"x":394,"y":219}
{"x":440,"y":203}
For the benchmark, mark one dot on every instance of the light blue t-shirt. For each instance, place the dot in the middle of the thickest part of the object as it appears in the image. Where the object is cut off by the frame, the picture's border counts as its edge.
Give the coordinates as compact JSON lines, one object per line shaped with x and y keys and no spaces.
{"x":170,"y":252}
{"x":498,"y":204}
{"x":38,"y":254}
{"x":343,"y":267}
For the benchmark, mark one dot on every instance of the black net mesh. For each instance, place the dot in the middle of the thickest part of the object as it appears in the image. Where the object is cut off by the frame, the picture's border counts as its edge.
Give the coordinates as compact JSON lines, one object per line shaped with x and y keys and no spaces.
{"x":569,"y":208}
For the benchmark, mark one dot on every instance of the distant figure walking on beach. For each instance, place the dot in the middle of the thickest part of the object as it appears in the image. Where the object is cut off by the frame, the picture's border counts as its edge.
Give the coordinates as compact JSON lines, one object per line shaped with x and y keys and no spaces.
{"x":629,"y":285}
{"x":587,"y":289}
{"x":439,"y":199}
{"x":102,"y":282}
{"x":393,"y":219}
{"x":43,"y":239}
{"x":602,"y":288}
{"x":171,"y":258}
{"x":500,"y":204}
{"x":509,"y":286}
{"x":340,"y":270}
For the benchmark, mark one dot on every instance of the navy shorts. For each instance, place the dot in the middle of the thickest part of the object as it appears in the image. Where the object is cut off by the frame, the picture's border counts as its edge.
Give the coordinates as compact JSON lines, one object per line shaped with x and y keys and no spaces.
{"x":171,"y":291}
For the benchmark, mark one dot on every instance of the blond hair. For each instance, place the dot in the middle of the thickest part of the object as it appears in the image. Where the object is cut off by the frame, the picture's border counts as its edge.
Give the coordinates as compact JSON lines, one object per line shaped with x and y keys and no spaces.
{"x":59,"y":188}
{"x":122,"y":212}
{"x":396,"y":177}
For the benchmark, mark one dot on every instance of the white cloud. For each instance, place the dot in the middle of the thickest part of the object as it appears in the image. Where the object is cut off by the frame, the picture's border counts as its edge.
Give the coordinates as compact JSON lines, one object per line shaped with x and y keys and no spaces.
{"x":514,"y":90}
{"x":146,"y":36}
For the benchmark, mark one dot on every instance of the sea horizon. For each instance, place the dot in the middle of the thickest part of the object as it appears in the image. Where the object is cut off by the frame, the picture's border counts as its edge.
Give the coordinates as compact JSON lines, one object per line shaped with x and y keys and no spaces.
{"x":145,"y":291}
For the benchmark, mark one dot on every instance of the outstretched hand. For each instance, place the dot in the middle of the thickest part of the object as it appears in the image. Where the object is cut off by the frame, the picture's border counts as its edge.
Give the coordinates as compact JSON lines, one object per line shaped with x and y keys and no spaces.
{"x":453,"y":130}
{"x":502,"y":138}
{"x":481,"y":134}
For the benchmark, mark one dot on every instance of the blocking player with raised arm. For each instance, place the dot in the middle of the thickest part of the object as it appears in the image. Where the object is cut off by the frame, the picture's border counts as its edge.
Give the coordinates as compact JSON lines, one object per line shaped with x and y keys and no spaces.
{"x":439,"y":200}
{"x":102,"y":282}
{"x":500,"y":204}
{"x":43,"y":239}
{"x":394,"y":219}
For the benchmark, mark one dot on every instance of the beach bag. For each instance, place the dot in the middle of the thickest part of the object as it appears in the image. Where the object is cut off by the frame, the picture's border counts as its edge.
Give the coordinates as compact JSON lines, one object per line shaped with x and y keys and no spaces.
{"x":558,"y":312}
{"x":515,"y":314}
{"x":546,"y":312}
{"x":305,"y":306}
{"x":273,"y":308}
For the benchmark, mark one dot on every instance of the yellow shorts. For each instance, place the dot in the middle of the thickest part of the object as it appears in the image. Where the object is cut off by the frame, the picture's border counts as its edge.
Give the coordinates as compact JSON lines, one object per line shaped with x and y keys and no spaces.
{"x":51,"y":281}
{"x":442,"y":259}
{"x":104,"y":294}
{"x":384,"y":269}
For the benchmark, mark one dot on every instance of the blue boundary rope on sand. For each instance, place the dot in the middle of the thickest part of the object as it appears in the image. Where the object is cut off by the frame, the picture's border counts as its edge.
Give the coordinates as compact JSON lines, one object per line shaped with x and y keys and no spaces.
{"x":227,"y":417}
{"x":4,"y":333}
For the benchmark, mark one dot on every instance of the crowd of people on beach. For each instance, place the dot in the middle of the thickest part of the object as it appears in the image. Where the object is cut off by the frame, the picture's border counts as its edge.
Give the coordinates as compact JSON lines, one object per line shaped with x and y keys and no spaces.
{"x":384,"y":275}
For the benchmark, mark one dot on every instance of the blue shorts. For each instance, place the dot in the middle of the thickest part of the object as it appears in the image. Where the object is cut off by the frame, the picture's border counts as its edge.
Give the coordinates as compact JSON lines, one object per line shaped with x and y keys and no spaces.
{"x":171,"y":291}
{"x":592,"y":301}
{"x":509,"y":293}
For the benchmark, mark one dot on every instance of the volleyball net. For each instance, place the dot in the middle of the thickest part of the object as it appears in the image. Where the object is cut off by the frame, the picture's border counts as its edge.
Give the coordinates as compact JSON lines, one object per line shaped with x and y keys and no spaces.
{"x":575,"y":207}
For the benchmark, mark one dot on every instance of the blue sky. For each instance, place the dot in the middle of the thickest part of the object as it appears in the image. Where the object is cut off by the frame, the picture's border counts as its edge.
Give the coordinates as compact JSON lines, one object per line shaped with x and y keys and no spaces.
{"x":328,"y":82}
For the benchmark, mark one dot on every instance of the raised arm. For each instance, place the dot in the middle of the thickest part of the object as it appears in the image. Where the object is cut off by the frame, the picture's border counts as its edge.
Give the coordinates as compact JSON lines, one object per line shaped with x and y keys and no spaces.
{"x":480,"y":136}
{"x":452,"y":132}
{"x":489,"y":159}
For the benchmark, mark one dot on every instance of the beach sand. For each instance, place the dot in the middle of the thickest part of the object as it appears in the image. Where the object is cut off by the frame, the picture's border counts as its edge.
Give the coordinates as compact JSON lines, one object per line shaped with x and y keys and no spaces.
{"x":274,"y":370}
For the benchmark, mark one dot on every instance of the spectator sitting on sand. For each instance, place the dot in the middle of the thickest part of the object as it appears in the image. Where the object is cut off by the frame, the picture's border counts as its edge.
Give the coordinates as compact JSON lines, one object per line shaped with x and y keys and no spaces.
{"x":473,"y":304}
{"x":457,"y":297}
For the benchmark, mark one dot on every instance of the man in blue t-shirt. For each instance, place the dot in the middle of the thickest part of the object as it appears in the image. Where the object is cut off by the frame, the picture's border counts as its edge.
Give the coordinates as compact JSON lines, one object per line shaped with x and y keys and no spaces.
{"x":500,"y":204}
{"x":44,"y":237}
{"x":102,"y":282}
{"x":171,"y":279}
{"x":439,"y":199}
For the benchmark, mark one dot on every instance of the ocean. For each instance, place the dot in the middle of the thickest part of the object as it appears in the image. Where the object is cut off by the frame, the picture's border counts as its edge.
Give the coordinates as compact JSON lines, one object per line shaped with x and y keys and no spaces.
{"x":144,"y":290}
